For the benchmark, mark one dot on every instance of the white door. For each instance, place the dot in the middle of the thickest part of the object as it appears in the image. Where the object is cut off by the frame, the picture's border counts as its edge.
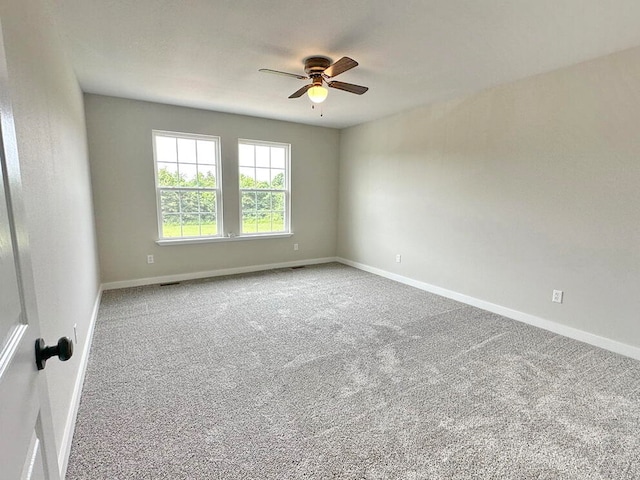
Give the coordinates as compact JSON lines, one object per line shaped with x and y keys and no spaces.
{"x":27,"y":448}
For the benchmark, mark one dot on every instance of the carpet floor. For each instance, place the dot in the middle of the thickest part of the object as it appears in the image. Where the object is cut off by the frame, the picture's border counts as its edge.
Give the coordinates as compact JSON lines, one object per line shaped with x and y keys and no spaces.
{"x":328,"y":372}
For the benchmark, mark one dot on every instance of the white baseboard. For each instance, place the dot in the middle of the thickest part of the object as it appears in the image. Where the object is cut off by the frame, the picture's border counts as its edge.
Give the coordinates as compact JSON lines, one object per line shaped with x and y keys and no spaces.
{"x":213,"y":273}
{"x":69,"y":428}
{"x":560,"y":329}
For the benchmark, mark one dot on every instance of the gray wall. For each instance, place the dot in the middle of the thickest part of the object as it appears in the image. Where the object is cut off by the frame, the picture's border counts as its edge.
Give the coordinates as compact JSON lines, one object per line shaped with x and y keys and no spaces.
{"x":50,"y":129}
{"x":121,"y":156}
{"x":509,"y":194}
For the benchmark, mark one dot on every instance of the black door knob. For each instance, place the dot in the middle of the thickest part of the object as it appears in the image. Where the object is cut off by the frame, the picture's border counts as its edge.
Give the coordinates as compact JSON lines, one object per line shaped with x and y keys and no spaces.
{"x":63,"y":350}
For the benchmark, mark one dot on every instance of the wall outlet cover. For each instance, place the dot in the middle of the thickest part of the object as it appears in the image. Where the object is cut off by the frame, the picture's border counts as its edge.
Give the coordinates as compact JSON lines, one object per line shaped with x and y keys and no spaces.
{"x":557,"y":296}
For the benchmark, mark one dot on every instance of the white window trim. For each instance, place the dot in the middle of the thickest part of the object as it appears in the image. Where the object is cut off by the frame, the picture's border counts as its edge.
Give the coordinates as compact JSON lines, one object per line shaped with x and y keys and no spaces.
{"x":218,"y":190}
{"x":236,"y":238}
{"x":287,"y":192}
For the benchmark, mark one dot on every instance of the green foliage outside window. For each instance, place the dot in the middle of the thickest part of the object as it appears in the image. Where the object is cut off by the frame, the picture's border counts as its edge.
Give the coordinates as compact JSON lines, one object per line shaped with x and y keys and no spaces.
{"x":262,"y":212}
{"x":186,"y":212}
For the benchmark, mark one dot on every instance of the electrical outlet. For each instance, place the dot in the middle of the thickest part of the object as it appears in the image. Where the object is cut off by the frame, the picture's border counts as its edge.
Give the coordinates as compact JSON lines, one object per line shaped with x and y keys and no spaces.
{"x":557,"y":296}
{"x":398,"y":258}
{"x":295,"y":246}
{"x":150,"y":259}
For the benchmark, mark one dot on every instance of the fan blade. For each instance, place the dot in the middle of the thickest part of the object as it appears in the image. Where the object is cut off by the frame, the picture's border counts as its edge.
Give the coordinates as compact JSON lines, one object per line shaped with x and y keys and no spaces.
{"x":348,"y":87}
{"x":277,"y":72}
{"x":302,"y":91}
{"x":342,"y":65}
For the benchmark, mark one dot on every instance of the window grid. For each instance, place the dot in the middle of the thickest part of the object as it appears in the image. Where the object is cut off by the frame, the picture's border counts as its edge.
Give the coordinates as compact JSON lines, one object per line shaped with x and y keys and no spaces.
{"x":188,"y":185}
{"x":264,"y":187}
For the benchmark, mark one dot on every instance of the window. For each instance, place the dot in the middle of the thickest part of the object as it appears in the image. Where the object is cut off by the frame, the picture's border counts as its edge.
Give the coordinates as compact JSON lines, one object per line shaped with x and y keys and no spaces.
{"x":264,"y":187}
{"x":187,"y":184}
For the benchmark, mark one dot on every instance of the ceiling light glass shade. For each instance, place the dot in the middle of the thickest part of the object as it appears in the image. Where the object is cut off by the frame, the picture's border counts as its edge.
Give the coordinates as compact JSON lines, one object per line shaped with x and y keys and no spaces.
{"x":317,"y":94}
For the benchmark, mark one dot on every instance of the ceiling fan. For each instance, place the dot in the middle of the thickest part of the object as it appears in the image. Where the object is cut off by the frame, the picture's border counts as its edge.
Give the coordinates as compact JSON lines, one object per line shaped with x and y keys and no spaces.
{"x":321,"y":71}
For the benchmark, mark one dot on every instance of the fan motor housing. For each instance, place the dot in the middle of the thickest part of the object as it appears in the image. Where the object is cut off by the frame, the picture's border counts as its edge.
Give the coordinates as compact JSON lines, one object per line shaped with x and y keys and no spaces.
{"x":316,"y":65}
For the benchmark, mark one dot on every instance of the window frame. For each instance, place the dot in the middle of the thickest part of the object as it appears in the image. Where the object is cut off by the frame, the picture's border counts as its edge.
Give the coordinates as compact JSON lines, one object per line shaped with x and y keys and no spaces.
{"x":286,"y":190}
{"x":217,"y":190}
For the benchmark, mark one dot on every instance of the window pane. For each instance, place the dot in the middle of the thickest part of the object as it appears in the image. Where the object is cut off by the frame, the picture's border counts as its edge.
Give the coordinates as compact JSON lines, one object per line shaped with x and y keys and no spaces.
{"x":278,"y":221}
{"x":169,"y":202}
{"x":166,"y":149}
{"x":277,"y":157}
{"x":245,"y":155}
{"x":263,"y":202}
{"x":190,"y":225}
{"x":262,"y":156}
{"x":189,"y":202}
{"x":206,"y":152}
{"x":188,"y":174}
{"x":208,"y":202}
{"x":168,"y":174}
{"x":247,"y":177}
{"x":277,"y":201}
{"x":208,"y":224}
{"x":277,"y":179}
{"x":207,"y":176}
{"x":186,"y":150}
{"x":263,"y":177}
{"x":248,"y":202}
{"x":249,"y":223}
{"x":171,"y":226}
{"x":264,"y":223}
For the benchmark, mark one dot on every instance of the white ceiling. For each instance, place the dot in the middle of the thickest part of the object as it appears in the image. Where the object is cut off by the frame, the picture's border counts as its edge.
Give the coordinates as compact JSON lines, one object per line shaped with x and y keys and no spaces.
{"x":206,"y":53}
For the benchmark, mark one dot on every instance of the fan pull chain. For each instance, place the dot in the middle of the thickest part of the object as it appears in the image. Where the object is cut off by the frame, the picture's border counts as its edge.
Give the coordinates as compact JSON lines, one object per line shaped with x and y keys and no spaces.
{"x":313,"y":107}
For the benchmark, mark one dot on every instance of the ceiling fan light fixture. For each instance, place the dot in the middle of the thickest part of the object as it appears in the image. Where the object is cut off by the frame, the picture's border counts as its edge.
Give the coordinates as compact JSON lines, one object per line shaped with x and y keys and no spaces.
{"x":317,"y":94}
{"x":322,"y":72}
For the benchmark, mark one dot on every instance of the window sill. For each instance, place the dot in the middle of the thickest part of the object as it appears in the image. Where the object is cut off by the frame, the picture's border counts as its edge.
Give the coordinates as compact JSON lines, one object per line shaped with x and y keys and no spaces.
{"x":163,"y":242}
